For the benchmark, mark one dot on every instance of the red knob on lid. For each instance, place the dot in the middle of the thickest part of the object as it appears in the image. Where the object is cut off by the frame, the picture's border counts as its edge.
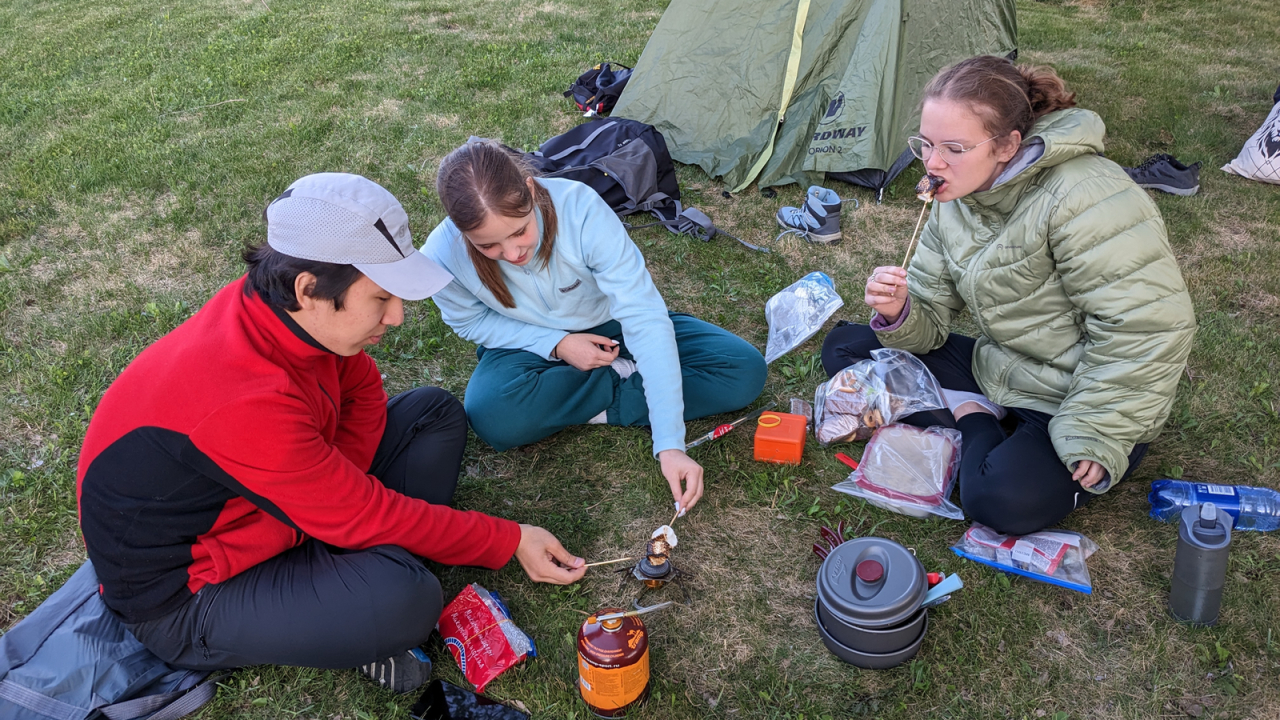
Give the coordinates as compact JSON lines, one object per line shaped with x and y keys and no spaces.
{"x":869,"y":571}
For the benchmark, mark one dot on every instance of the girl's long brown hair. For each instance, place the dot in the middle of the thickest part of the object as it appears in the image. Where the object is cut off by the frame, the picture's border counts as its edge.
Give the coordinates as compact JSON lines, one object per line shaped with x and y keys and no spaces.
{"x":1006,"y":97}
{"x":483,"y":177}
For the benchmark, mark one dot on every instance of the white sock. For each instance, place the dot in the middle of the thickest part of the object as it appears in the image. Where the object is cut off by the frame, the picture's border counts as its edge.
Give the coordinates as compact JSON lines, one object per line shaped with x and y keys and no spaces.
{"x":623,"y":367}
{"x":956,"y":398}
{"x":601,"y":419}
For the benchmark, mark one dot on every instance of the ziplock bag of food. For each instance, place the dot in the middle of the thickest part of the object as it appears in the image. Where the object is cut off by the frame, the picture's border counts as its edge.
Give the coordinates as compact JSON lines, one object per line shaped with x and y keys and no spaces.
{"x":478,"y":631}
{"x":908,"y":470}
{"x":1056,"y":557}
{"x":889,"y":386}
{"x":799,"y":311}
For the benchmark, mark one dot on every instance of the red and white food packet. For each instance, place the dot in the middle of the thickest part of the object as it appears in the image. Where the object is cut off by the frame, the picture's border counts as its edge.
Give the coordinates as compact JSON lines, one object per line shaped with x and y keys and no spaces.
{"x":1056,"y":557}
{"x":477,"y":629}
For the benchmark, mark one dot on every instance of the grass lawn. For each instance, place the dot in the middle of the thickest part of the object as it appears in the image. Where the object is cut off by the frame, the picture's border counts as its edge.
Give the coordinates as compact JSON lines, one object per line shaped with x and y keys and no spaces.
{"x":140,"y":141}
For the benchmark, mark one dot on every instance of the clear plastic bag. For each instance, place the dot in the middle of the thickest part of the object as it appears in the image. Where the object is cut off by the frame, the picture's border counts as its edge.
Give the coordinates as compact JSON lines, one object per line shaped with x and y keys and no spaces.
{"x":908,"y":470}
{"x":1056,"y":557}
{"x":803,"y":409}
{"x":884,"y":389}
{"x":799,"y":311}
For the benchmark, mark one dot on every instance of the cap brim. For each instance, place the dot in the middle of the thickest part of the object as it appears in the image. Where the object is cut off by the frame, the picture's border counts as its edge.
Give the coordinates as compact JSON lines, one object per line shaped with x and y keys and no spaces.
{"x":415,"y":277}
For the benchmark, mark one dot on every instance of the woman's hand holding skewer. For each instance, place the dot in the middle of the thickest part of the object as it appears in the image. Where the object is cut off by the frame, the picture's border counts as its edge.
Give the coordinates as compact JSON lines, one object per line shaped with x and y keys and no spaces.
{"x":887,"y":292}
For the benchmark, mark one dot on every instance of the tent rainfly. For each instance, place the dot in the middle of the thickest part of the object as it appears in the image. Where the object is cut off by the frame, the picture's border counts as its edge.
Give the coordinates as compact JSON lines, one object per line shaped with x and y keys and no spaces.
{"x":783,"y":91}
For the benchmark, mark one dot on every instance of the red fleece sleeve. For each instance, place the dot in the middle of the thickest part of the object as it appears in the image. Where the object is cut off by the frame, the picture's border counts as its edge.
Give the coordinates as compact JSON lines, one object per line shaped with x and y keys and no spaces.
{"x":362,"y":412}
{"x":270,"y":445}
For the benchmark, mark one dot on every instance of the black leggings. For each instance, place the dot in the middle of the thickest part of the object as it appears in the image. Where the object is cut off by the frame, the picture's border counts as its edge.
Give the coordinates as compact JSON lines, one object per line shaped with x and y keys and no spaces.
{"x":319,"y":606}
{"x":1014,"y":484}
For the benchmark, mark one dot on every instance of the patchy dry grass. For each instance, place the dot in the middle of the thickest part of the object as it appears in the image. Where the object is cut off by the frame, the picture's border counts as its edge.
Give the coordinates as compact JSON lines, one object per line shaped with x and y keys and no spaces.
{"x":138,"y":145}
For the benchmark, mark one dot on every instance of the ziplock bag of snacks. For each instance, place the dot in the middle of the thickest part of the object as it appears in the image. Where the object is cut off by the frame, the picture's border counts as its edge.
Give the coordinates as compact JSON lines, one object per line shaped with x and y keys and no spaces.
{"x":908,"y":470}
{"x":889,"y":386}
{"x":1056,"y":557}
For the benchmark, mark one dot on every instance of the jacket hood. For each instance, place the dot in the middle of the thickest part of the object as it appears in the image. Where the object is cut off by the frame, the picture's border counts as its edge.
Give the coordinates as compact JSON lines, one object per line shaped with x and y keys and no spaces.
{"x":1055,"y":138}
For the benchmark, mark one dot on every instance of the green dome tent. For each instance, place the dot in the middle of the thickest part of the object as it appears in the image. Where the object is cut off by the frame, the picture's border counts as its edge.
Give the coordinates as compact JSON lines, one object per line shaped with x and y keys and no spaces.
{"x":783,"y":91}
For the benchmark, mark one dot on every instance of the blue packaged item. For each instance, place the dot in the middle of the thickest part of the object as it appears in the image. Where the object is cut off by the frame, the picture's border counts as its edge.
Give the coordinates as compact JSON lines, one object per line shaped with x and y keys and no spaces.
{"x":1056,"y":557}
{"x":1250,"y":508}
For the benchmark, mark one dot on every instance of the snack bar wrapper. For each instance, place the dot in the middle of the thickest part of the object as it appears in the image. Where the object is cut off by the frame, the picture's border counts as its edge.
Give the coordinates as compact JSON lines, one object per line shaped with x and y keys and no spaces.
{"x":889,"y":386}
{"x":908,"y":470}
{"x":1056,"y":557}
{"x":478,"y":631}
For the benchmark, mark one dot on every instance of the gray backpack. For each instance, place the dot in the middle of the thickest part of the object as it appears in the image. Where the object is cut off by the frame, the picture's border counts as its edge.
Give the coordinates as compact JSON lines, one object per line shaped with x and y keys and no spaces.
{"x":72,"y":659}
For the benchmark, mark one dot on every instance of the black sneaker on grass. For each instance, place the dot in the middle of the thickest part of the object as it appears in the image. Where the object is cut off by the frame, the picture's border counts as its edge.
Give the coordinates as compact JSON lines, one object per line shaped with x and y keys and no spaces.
{"x":401,"y":673}
{"x":1163,"y":172}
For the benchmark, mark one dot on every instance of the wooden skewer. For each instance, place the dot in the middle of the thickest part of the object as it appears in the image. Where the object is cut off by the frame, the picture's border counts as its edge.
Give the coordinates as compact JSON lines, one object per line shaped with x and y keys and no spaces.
{"x":914,"y":234}
{"x":673,"y":518}
{"x":608,"y":562}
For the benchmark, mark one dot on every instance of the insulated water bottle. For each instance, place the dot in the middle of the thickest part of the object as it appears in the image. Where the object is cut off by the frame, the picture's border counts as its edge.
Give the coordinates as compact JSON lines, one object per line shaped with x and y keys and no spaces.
{"x":1251,"y":508}
{"x":1200,"y":567}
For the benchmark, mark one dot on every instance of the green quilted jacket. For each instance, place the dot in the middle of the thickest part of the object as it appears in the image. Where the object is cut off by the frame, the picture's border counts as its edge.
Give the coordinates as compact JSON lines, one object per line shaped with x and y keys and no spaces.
{"x":1065,"y":265}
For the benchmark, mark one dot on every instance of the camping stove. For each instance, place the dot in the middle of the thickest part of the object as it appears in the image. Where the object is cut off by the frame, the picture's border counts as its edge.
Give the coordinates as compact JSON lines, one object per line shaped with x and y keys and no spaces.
{"x":655,"y":569}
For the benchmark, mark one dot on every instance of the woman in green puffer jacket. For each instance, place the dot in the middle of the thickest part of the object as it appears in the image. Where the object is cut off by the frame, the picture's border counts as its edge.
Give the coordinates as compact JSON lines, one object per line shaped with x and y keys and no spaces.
{"x":1084,"y":320}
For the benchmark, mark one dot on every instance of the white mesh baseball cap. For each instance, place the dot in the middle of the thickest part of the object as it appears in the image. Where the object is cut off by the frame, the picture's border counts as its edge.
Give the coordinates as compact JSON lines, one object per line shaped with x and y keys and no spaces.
{"x":351,"y":220}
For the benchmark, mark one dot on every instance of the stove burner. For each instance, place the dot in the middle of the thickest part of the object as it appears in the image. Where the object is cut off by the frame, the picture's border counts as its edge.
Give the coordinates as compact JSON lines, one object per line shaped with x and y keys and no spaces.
{"x":652,"y":574}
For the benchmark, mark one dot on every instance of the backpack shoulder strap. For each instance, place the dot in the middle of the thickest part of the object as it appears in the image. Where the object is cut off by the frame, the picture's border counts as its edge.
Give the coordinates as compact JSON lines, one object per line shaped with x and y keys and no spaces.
{"x":692,"y":222}
{"x":43,"y":705}
{"x":166,"y":706}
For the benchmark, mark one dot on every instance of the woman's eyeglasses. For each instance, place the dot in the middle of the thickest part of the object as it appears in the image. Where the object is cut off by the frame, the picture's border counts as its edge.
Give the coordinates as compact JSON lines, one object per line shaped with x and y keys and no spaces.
{"x":950,"y":152}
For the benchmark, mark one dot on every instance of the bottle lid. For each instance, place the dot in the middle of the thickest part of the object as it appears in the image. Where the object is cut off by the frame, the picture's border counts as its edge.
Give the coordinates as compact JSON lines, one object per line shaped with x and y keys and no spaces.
{"x":1208,"y":515}
{"x":1201,"y":531}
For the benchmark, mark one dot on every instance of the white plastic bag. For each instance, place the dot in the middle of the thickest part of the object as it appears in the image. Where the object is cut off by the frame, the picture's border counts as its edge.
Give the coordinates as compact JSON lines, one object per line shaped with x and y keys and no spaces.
{"x":889,"y":386}
{"x":908,"y":470}
{"x":1056,"y":557}
{"x":799,"y":311}
{"x":1259,"y":159}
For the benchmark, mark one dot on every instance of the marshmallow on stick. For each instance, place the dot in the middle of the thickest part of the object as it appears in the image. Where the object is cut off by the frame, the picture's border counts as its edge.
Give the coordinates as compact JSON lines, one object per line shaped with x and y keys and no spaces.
{"x":925,"y":190}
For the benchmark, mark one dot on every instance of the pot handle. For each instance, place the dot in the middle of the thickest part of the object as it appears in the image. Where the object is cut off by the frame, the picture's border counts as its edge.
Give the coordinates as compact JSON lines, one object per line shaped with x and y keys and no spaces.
{"x":868,"y":572}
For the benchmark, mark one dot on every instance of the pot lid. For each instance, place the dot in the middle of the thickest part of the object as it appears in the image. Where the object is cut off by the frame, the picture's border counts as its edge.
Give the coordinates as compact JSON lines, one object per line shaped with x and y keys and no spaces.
{"x":871,"y":582}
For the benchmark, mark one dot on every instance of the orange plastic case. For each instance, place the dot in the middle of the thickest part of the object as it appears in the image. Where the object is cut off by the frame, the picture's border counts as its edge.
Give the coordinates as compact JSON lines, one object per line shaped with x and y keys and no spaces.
{"x":780,"y":438}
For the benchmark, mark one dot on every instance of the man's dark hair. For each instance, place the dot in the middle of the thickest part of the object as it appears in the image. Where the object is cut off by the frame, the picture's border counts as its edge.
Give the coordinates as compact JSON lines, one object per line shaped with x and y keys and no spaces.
{"x":272,"y":275}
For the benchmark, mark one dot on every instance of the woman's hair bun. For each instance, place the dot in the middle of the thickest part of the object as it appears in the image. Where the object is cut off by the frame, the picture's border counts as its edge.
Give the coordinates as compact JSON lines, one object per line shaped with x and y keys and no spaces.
{"x":1045,"y":89}
{"x":1007,"y":97}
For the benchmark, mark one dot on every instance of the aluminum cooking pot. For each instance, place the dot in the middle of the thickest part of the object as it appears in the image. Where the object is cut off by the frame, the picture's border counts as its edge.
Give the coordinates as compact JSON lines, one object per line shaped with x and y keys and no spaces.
{"x":868,"y":606}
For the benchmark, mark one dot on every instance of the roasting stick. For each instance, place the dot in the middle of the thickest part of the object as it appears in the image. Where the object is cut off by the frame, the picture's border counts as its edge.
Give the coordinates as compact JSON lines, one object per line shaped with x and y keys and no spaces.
{"x":925,"y":189}
{"x":911,"y":245}
{"x":607,"y":562}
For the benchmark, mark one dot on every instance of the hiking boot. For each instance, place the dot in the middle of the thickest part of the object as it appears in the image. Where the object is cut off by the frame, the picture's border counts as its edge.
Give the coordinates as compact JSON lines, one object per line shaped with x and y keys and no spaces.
{"x":1163,"y":172}
{"x":818,"y":221}
{"x":401,"y":673}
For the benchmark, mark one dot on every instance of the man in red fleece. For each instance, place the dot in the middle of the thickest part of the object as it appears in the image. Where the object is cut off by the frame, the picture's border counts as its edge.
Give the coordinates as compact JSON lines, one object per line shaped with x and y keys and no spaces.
{"x":248,"y":495}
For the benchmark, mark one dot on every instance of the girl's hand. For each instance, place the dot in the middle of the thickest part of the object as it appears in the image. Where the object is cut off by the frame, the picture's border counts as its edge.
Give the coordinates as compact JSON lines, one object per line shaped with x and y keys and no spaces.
{"x":544,"y":559}
{"x":676,"y":466}
{"x":586,"y":351}
{"x":887,"y":292}
{"x":1088,"y":473}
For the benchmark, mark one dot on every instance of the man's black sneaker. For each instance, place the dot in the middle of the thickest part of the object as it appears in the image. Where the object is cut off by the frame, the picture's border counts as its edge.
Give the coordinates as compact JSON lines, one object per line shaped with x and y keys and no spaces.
{"x":1163,"y":172}
{"x":401,"y":673}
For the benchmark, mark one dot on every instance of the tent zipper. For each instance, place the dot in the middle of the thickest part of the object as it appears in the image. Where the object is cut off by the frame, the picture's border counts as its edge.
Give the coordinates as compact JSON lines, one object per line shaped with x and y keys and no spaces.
{"x":788,"y":87}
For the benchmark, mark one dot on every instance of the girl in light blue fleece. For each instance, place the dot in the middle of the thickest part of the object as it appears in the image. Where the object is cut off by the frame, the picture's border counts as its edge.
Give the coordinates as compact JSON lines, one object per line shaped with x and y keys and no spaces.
{"x":570,"y":327}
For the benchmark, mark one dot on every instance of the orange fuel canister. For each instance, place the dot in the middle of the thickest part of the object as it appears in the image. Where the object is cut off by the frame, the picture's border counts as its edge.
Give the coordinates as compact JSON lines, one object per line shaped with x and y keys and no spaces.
{"x":613,"y":664}
{"x":780,"y":438}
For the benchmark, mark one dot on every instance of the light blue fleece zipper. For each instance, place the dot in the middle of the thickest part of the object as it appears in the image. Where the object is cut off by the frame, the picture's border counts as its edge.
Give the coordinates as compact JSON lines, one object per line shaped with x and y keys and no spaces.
{"x":595,"y":274}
